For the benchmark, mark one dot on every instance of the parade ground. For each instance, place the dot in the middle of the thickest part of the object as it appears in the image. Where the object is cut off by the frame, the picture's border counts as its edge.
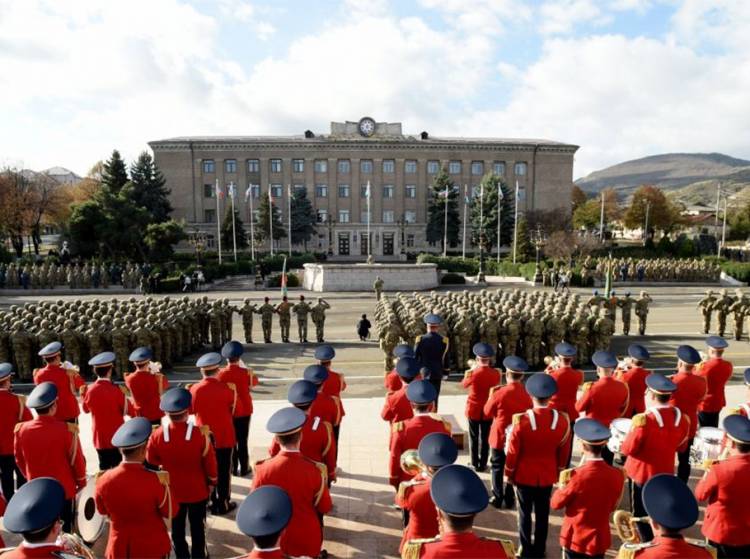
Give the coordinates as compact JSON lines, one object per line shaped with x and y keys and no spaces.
{"x":364,"y":522}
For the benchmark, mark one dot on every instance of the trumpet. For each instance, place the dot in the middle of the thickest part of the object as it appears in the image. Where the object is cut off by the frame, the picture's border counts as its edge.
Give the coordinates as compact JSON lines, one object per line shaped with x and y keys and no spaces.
{"x":625,"y":526}
{"x":410,"y":462}
{"x":73,"y":544}
{"x":551,"y":361}
{"x":154,"y":367}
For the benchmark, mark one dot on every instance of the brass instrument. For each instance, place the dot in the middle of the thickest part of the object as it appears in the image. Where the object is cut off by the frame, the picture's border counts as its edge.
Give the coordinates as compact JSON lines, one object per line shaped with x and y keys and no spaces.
{"x":565,"y":476}
{"x":410,"y":462}
{"x":551,"y":361}
{"x":625,"y":526}
{"x":73,"y":543}
{"x":154,"y":367}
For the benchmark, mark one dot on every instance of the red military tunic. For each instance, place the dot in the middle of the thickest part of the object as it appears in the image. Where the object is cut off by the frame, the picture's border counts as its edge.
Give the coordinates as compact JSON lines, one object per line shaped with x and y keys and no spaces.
{"x":505,"y":402}
{"x":653,"y":441}
{"x":479,"y":381}
{"x":107,"y":405}
{"x":274,"y":553}
{"x":635,"y":378}
{"x":51,"y":551}
{"x":406,"y":435}
{"x":147,"y":388}
{"x":326,"y":407}
{"x":589,"y":498}
{"x":184,"y":451}
{"x":726,"y":487}
{"x":136,"y":501}
{"x":461,"y":546}
{"x":243,"y":380}
{"x":568,"y":380}
{"x":414,"y":496}
{"x":305,"y":483}
{"x":538,"y":448}
{"x":717,"y":372}
{"x":663,"y":547}
{"x":316,"y":443}
{"x":213,"y":405}
{"x":68,"y":382}
{"x":334,"y":385}
{"x":13,"y":410}
{"x":397,"y":407}
{"x":392,"y":381}
{"x":49,"y":447}
{"x":691,"y":390}
{"x":604,"y":400}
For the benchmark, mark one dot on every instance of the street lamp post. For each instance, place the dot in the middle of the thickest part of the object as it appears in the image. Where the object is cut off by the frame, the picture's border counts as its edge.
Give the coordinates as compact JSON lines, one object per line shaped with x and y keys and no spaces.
{"x":197,"y":240}
{"x":538,"y":239}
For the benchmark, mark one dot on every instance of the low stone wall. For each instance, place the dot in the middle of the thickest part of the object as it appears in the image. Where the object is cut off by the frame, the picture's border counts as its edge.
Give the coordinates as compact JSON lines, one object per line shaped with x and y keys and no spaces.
{"x":360,"y":277}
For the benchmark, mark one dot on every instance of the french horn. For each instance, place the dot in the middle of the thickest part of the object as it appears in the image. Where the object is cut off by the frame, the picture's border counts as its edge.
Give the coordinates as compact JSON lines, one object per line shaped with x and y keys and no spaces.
{"x":410,"y":462}
{"x":625,"y":526}
{"x":73,"y":543}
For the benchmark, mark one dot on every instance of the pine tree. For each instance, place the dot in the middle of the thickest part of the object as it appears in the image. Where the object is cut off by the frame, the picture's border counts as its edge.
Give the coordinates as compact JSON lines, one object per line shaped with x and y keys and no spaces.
{"x":114,"y":174}
{"x":523,"y":250}
{"x":303,"y":218}
{"x":262,"y":226}
{"x":226,"y":230}
{"x":491,"y":183}
{"x":149,"y":190}
{"x":441,"y":184}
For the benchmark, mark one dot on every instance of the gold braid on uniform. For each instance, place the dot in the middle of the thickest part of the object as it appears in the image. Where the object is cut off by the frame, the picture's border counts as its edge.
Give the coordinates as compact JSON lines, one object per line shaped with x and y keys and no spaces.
{"x":164,"y":480}
{"x":413,"y":548}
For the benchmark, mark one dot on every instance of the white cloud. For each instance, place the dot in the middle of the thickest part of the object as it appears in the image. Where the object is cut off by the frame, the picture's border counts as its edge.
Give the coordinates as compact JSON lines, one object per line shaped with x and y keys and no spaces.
{"x":562,"y":16}
{"x":639,"y":6}
{"x":486,"y":17}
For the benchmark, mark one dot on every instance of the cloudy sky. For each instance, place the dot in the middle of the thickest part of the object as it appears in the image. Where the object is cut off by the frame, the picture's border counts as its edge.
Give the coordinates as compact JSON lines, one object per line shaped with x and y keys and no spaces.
{"x":620,"y":78}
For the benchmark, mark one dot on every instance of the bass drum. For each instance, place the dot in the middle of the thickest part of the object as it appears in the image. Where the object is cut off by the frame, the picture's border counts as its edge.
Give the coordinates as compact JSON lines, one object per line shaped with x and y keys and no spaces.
{"x":707,"y":446}
{"x":89,"y":522}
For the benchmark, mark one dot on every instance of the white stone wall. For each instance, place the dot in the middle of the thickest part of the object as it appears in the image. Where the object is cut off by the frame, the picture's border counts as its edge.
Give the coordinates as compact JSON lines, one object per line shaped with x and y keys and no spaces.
{"x":360,"y":277}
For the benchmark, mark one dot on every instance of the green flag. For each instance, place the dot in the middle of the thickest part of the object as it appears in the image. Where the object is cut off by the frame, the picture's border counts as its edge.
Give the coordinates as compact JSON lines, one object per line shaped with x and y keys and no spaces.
{"x":283,"y":278}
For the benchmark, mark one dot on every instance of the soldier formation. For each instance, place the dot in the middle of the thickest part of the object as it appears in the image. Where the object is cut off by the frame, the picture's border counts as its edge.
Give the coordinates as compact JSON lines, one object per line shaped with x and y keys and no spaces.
{"x":725,"y":305}
{"x":651,"y":269}
{"x":89,"y":275}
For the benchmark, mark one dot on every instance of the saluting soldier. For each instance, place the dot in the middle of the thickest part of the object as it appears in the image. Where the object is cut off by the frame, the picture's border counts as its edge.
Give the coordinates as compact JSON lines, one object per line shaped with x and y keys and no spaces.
{"x":67,"y":381}
{"x":13,"y":411}
{"x":641,"y":311}
{"x":266,"y":312}
{"x":263,"y":516}
{"x":318,"y":315}
{"x":146,"y":386}
{"x":334,"y":385}
{"x":634,"y":375}
{"x":717,"y":371}
{"x":431,"y":350}
{"x":302,"y":310}
{"x":284,"y":310}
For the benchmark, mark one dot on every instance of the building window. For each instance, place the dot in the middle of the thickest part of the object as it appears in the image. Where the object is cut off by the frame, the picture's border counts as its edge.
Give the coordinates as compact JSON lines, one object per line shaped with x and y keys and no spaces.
{"x":253,"y":166}
{"x":363,"y":217}
{"x":454,"y":167}
{"x":410,"y":191}
{"x":477,"y":168}
{"x":345,"y":167}
{"x":230,"y":165}
{"x":322,"y":216}
{"x":389,"y":166}
{"x":363,"y":191}
{"x":520,"y":169}
{"x":388,"y":191}
{"x":365,"y":166}
{"x":321,"y":166}
{"x":433,"y":167}
{"x":498,"y":168}
{"x":410,"y":216}
{"x":255,"y":190}
{"x":387,"y":216}
{"x":298,"y":188}
{"x":275,"y":165}
{"x":208,"y":191}
{"x":410,"y":167}
{"x":321,"y":190}
{"x":277,"y":191}
{"x":343,"y":216}
{"x":343,"y":191}
{"x":209,"y":216}
{"x":210,"y":241}
{"x":475,"y":191}
{"x":209,"y":166}
{"x":410,"y":241}
{"x":298,"y":165}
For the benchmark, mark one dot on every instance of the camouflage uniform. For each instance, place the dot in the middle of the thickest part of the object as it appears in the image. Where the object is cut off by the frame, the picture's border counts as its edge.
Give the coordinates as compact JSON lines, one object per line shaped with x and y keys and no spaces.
{"x":302,"y":310}
{"x":266,"y":312}
{"x":626,"y":305}
{"x":284,"y":310}
{"x":706,"y":305}
{"x":641,"y":311}
{"x":246,"y":312}
{"x":318,"y":315}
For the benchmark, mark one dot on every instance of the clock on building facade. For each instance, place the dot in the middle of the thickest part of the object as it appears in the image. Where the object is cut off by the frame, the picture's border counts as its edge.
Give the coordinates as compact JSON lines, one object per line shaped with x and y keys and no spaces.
{"x":366,"y":126}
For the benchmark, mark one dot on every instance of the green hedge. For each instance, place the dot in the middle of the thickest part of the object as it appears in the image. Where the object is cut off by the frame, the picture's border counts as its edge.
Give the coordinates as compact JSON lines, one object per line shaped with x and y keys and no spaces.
{"x":170,"y":285}
{"x":452,"y":278}
{"x":738,"y":270}
{"x":291,"y":280}
{"x":451,"y":263}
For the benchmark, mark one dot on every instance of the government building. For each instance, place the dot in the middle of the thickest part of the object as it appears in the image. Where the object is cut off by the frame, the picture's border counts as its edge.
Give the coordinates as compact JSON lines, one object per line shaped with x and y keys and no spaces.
{"x":335,"y":169}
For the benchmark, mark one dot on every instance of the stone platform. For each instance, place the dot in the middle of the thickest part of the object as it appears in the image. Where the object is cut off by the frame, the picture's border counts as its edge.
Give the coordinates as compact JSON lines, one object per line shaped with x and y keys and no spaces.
{"x":360,"y":277}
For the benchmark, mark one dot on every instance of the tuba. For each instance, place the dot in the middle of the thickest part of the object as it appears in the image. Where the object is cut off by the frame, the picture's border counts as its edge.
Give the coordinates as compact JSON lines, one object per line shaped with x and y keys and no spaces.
{"x":72,"y":543}
{"x":410,"y":462}
{"x":625,"y":526}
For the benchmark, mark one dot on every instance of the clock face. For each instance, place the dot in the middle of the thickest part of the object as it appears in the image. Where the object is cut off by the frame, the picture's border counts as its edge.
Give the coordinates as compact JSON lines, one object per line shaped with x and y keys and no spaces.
{"x":367,"y":127}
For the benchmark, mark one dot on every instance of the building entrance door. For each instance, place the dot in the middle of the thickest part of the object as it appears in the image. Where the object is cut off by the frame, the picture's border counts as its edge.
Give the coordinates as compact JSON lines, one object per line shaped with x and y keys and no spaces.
{"x":364,"y":243}
{"x":344,"y":244}
{"x":388,"y":244}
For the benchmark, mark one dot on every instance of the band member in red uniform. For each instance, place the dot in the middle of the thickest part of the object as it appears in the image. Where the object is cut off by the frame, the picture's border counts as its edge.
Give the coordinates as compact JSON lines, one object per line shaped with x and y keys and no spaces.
{"x":136,"y":499}
{"x":717,"y":372}
{"x":67,"y":381}
{"x":392,"y":381}
{"x":436,"y":451}
{"x":263,"y":515}
{"x":726,"y":487}
{"x":479,"y":381}
{"x":671,"y":508}
{"x":324,"y":406}
{"x":108,"y":405}
{"x":605,"y":399}
{"x":654,"y":439}
{"x":744,"y":408}
{"x":145,"y":386}
{"x":303,"y":480}
{"x":691,"y":389}
{"x":185,"y":453}
{"x":537,"y":452}
{"x":13,"y":411}
{"x":634,"y":375}
{"x":243,"y":379}
{"x":459,"y":495}
{"x":408,"y":434}
{"x":213,"y":405}
{"x":568,"y":380}
{"x":49,"y":447}
{"x":397,"y":406}
{"x":334,"y":385}
{"x":589,"y":494}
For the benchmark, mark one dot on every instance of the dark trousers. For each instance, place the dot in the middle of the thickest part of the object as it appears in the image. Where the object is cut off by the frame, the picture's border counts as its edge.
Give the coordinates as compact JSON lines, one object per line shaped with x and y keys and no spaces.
{"x":729,"y":551}
{"x":196,"y":514}
{"x":435,"y":381}
{"x":569,"y":554}
{"x":66,"y":515}
{"x":108,"y":458}
{"x":638,"y":510}
{"x":708,"y":418}
{"x":607,"y":455}
{"x":221,"y":493}
{"x":11,"y":477}
{"x":479,"y":443}
{"x":533,"y":501}
{"x":241,"y":457}
{"x":497,"y":466}
{"x":683,"y":463}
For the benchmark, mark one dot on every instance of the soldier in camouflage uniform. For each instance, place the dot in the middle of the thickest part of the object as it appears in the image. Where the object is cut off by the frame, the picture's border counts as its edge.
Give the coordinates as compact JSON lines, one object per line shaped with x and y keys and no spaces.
{"x":721,"y":306}
{"x":579,"y":329}
{"x":512,"y":333}
{"x":739,"y":310}
{"x":388,"y":342}
{"x":284,"y":310}
{"x":71,"y":343}
{"x":378,"y":287}
{"x":266,"y":312}
{"x":463,"y":331}
{"x":22,"y":343}
{"x":706,"y":305}
{"x":302,"y":310}
{"x":246,"y":312}
{"x":489,"y":331}
{"x":533,"y":342}
{"x":120,"y":345}
{"x":626,"y":305}
{"x":318,"y":315}
{"x":641,"y":311}
{"x":604,"y":329}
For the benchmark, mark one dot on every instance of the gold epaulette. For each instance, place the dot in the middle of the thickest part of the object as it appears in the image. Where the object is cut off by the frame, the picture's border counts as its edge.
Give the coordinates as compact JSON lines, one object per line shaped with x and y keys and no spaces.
{"x":493,"y":389}
{"x":17,"y":428}
{"x":467,"y":374}
{"x":629,"y":550}
{"x":163,"y":476}
{"x":587,"y":386}
{"x":565,"y":477}
{"x":639,"y":420}
{"x":189,"y":386}
{"x":517,"y":417}
{"x":73,"y":428}
{"x":735,"y":411}
{"x":508,"y":547}
{"x":124,"y":390}
{"x":703,"y":545}
{"x":404,"y":486}
{"x":413,"y":548}
{"x":418,"y":338}
{"x":232,"y":386}
{"x":397,"y":426}
{"x":82,"y":390}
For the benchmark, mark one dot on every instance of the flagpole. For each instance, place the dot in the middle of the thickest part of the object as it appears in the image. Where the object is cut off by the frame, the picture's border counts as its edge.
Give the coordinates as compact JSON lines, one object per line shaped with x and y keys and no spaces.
{"x":234,"y":230}
{"x":466,"y":206}
{"x":499,"y":217}
{"x":601,"y":221}
{"x":369,"y":219}
{"x":515,"y":225}
{"x":289,"y":210}
{"x":252,"y":224}
{"x":218,"y":217}
{"x":270,"y":219}
{"x":445,"y":225}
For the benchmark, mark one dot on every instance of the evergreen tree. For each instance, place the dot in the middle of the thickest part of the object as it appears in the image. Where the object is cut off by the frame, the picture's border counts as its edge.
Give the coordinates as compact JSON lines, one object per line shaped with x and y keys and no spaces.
{"x":441,"y":184}
{"x":524,"y":249}
{"x":262,"y":225}
{"x":491,"y":183}
{"x":149,"y":190}
{"x":303,"y":218}
{"x":114,"y":174}
{"x":226,"y":230}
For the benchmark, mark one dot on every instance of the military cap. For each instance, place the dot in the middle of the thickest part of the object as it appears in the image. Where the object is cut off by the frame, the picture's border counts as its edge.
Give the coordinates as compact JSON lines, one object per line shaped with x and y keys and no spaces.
{"x":604,"y":359}
{"x":102,"y":359}
{"x":315,"y":373}
{"x":670,"y":502}
{"x":302,"y":392}
{"x":132,"y":434}
{"x":716,"y":342}
{"x":403,"y":350}
{"x":638,"y":352}
{"x":688,"y":354}
{"x":437,"y":450}
{"x":175,"y":400}
{"x":421,"y":392}
{"x":482,"y":349}
{"x":264,"y":512}
{"x":6,"y":369}
{"x":432,"y":319}
{"x":541,"y":385}
{"x":209,"y":361}
{"x":458,"y":491}
{"x":591,"y":431}
{"x":515,"y":364}
{"x":325,"y":353}
{"x":43,"y":396}
{"x":141,"y":354}
{"x":50,"y":349}
{"x":407,"y":367}
{"x":286,"y":421}
{"x":35,"y":506}
{"x":232,"y":350}
{"x":660,"y":384}
{"x":737,"y":428}
{"x":747,"y":376}
{"x":564,"y":349}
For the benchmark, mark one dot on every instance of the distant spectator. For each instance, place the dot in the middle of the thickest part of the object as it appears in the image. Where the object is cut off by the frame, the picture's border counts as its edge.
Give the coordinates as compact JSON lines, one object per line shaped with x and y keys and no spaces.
{"x":363,"y":328}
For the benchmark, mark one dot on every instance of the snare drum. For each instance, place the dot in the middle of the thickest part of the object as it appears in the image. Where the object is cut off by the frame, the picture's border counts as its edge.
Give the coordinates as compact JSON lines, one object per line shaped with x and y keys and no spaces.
{"x":706,"y":446}
{"x":619,"y":427}
{"x":89,"y":522}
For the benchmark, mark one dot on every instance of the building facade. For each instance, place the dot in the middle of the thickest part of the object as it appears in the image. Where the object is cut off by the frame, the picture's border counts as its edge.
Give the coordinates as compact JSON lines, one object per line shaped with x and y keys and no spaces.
{"x":335,"y":170}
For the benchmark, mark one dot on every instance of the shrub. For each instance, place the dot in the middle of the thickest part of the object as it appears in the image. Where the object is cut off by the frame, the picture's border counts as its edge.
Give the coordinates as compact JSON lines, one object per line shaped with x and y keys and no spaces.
{"x":291,"y":280}
{"x":170,"y":285}
{"x":452,"y":278}
{"x":738,"y":270}
{"x":455,"y":264}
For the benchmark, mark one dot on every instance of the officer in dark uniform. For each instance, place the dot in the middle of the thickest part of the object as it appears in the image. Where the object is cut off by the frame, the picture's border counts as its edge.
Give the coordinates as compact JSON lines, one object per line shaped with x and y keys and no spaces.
{"x":263,"y":515}
{"x":431,"y":351}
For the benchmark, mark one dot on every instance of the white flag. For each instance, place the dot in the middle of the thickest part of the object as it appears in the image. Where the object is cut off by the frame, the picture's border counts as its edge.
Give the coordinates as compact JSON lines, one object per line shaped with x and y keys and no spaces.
{"x":367,"y":190}
{"x":231,"y":189}
{"x":248,"y":192}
